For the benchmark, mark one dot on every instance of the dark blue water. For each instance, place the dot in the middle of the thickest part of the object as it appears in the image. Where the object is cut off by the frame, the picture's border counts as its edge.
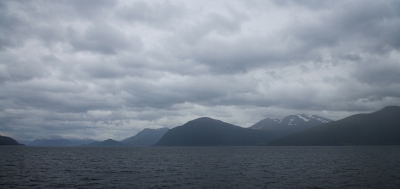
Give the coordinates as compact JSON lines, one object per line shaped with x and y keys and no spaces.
{"x":200,"y":167}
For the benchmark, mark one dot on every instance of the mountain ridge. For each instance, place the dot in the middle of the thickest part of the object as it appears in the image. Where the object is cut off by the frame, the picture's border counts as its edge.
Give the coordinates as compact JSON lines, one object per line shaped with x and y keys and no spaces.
{"x":8,"y":141}
{"x":377,"y":128}
{"x":146,"y":137}
{"x":289,"y":124}
{"x":206,"y":131}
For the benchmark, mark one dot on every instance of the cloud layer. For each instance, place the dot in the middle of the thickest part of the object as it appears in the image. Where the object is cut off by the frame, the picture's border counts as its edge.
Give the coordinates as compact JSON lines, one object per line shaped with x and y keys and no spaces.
{"x":107,"y":69}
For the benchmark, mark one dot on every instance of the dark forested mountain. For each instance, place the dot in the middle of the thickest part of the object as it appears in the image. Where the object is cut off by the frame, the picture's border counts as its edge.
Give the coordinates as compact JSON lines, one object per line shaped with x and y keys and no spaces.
{"x":290,"y":124}
{"x":377,"y":128}
{"x":59,"y":142}
{"x":146,"y":137}
{"x":5,"y":140}
{"x":210,"y":132}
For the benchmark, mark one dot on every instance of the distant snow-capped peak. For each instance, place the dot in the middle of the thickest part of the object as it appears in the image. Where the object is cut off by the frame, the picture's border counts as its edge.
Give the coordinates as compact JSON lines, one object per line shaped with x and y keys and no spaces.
{"x":296,"y":119}
{"x":292,"y":122}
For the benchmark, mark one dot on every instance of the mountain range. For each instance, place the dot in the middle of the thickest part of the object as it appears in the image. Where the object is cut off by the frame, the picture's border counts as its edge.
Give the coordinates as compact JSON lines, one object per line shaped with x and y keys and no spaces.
{"x":210,"y":132}
{"x":59,"y":142}
{"x":273,"y":128}
{"x":377,"y":128}
{"x":146,"y":137}
{"x":289,"y":124}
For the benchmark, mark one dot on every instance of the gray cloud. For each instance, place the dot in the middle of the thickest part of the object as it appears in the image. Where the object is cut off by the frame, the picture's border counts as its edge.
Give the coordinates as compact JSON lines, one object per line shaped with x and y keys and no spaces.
{"x":88,"y":9}
{"x":102,"y":38}
{"x":78,"y":69}
{"x":155,"y":15}
{"x":347,"y":27}
{"x":11,"y":25}
{"x":378,"y":74}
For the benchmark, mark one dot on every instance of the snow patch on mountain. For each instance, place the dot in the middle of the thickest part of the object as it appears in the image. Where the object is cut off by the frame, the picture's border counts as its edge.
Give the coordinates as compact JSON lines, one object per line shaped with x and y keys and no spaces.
{"x":290,"y":122}
{"x":303,"y":118}
{"x":321,"y":119}
{"x":295,"y":122}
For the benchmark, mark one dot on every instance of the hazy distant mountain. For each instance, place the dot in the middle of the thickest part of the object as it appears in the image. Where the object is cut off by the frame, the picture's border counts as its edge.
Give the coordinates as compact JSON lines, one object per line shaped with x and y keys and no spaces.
{"x":290,"y":124}
{"x":25,"y":142}
{"x":5,"y":140}
{"x":146,"y":137}
{"x":110,"y":143}
{"x":95,"y":143}
{"x":59,"y":142}
{"x":210,"y":132}
{"x":378,"y":128}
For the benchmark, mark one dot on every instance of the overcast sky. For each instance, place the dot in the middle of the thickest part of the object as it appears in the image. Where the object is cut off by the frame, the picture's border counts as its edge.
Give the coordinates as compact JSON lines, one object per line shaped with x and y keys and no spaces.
{"x":108,"y":69}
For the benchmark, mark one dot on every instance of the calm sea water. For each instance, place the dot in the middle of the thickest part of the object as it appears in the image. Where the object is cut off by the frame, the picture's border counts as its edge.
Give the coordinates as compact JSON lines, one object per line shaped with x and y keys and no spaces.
{"x":200,"y":167}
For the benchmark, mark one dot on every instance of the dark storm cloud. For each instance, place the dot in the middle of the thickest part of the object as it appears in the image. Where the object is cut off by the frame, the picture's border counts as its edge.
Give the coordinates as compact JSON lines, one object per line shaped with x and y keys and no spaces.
{"x":107,"y":69}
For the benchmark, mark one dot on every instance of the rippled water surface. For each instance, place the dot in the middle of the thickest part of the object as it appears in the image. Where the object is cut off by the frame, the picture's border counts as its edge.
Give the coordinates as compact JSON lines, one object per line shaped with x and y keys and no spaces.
{"x":200,"y":167}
